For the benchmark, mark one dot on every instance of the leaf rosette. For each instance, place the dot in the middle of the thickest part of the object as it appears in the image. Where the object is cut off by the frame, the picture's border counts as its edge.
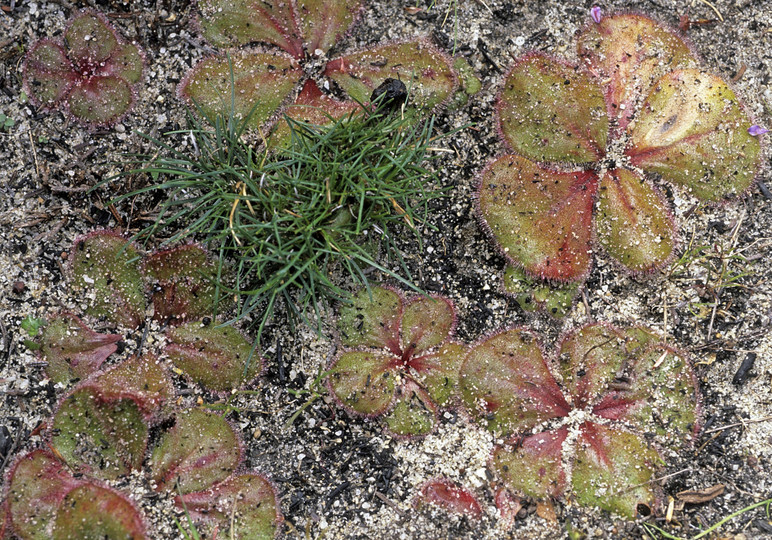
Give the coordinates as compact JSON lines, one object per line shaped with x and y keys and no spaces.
{"x":579,"y":424}
{"x":398,"y":360}
{"x":588,"y":140}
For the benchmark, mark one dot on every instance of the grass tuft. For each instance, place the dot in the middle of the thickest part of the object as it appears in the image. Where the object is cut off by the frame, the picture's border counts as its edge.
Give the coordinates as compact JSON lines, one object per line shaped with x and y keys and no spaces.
{"x":285,"y":220}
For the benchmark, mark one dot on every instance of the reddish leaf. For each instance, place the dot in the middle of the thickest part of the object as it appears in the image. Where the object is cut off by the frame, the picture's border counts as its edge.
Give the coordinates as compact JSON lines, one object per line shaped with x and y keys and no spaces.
{"x":90,"y":40}
{"x":100,"y":100}
{"x":506,"y":380}
{"x":534,"y":465}
{"x":425,"y":71}
{"x":215,"y":357}
{"x":450,"y":497}
{"x":312,"y":107}
{"x":91,"y":512}
{"x":692,"y":131}
{"x":542,"y":218}
{"x":633,"y":222}
{"x":364,"y":381}
{"x":73,"y":350}
{"x":612,"y":470}
{"x":183,"y":285}
{"x":105,"y":270}
{"x":243,"y":506}
{"x":48,"y":73}
{"x":508,"y":506}
{"x":426,"y":323}
{"x":201,"y":450}
{"x":372,"y":320}
{"x":261,"y":84}
{"x":323,"y":22}
{"x":629,"y":53}
{"x":549,"y":111}
{"x":104,"y":438}
{"x":438,"y":372}
{"x":240,"y":22}
{"x":36,"y":487}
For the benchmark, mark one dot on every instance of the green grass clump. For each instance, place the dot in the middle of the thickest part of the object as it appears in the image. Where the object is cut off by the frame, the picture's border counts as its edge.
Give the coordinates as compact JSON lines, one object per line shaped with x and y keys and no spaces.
{"x":333,"y":199}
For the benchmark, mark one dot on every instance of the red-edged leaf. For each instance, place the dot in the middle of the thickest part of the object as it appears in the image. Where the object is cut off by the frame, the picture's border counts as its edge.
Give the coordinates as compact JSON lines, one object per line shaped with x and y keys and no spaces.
{"x":506,"y":380}
{"x":413,"y":413}
{"x":313,"y":107}
{"x":215,"y":357}
{"x":104,"y":438}
{"x":73,"y":350}
{"x":141,"y":379}
{"x":426,"y":323}
{"x":105,"y":270}
{"x":243,"y":506}
{"x":425,"y":71}
{"x":364,"y":381}
{"x":201,"y":450}
{"x":450,"y":497}
{"x":261,"y":83}
{"x":48,"y":73}
{"x":590,"y":358}
{"x":230,"y":23}
{"x":612,"y":470}
{"x":91,"y":512}
{"x":542,"y":218}
{"x":629,"y":53}
{"x":372,"y":320}
{"x":90,"y":41}
{"x":100,"y":100}
{"x":692,"y":130}
{"x":508,"y":506}
{"x":36,"y":486}
{"x":633,"y":221}
{"x":438,"y":372}
{"x":323,"y":22}
{"x":182,"y":283}
{"x":550,"y":111}
{"x":534,"y":465}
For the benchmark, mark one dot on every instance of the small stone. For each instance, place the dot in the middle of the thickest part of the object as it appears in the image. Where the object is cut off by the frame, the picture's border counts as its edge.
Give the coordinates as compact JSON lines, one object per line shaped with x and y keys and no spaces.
{"x":19,"y":287}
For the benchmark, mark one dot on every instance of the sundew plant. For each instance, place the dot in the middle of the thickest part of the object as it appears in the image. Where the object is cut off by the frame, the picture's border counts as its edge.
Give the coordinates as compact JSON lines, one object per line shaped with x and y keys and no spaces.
{"x":590,"y":143}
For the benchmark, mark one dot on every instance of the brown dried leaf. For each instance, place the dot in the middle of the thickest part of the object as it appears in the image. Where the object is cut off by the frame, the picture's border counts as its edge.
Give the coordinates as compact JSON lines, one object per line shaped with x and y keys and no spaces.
{"x":699,"y":496}
{"x":546,"y":511}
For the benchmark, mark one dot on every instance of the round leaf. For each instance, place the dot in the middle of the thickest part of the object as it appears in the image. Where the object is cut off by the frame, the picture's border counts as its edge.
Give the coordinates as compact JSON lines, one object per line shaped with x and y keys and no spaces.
{"x":90,"y":41}
{"x":692,"y":131}
{"x":100,"y":100}
{"x":372,"y":320}
{"x":534,"y":465}
{"x":633,"y":221}
{"x":542,"y":218}
{"x":91,"y":512}
{"x":364,"y":381}
{"x":450,"y":497}
{"x":426,"y":323}
{"x":48,"y":73}
{"x":323,"y":22}
{"x":438,"y":372}
{"x":413,"y":413}
{"x":549,"y":111}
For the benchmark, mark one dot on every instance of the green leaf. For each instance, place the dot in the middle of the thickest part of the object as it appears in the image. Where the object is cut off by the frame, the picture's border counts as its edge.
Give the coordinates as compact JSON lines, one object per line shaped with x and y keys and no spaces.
{"x":629,"y":53}
{"x":633,"y":221}
{"x":104,"y":269}
{"x":438,"y":372}
{"x":182,"y":283}
{"x":100,"y":100}
{"x":542,"y":218}
{"x":91,"y":512}
{"x":261,"y":84}
{"x":127,"y":63}
{"x":364,"y":381}
{"x":425,"y":71}
{"x":506,"y":381}
{"x":73,"y":350}
{"x":104,"y":438}
{"x":323,"y":22}
{"x":243,"y":506}
{"x":534,"y":465}
{"x":692,"y":131}
{"x":413,"y":413}
{"x":48,"y":73}
{"x":36,"y":487}
{"x":90,"y":40}
{"x":550,"y":111}
{"x":215,"y":357}
{"x":372,"y":320}
{"x":231,"y":23}
{"x":31,"y":325}
{"x":613,"y":469}
{"x":199,"y":451}
{"x":532,"y":294}
{"x":426,"y":323}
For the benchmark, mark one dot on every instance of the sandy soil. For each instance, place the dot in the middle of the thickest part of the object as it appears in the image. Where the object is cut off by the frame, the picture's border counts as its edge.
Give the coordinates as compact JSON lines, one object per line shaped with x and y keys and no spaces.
{"x":341,"y":477}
